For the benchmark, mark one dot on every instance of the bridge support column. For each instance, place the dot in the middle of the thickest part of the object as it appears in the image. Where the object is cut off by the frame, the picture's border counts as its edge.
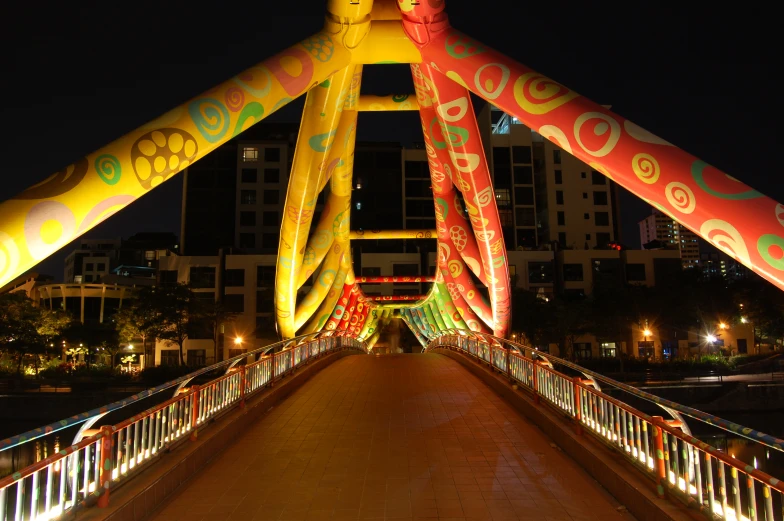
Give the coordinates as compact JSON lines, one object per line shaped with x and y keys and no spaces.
{"x":105,"y":469}
{"x":195,"y":413}
{"x":661,"y":468}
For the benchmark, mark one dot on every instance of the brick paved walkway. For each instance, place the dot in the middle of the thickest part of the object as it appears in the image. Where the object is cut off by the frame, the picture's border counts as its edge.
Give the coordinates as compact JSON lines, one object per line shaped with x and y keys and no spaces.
{"x":392,"y":437}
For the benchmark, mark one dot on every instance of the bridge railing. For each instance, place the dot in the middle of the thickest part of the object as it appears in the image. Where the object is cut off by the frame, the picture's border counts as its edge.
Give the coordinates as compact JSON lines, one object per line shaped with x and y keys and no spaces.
{"x":702,"y":476}
{"x":84,"y":472}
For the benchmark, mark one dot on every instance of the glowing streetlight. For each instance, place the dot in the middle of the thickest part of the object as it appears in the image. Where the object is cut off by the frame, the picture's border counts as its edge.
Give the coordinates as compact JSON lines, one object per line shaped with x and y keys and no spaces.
{"x":238,"y":340}
{"x":722,"y":325}
{"x":743,"y":320}
{"x":647,"y":332}
{"x":130,"y":346}
{"x":710,"y":338}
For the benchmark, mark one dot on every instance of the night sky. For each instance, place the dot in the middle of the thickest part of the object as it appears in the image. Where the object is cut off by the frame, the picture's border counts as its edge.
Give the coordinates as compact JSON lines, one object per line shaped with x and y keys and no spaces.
{"x":73,"y":79}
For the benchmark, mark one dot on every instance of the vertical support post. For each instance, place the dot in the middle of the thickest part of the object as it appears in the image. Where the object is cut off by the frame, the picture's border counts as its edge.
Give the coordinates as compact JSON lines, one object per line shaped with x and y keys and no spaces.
{"x":661,"y":469}
{"x":578,"y":411}
{"x":242,"y":387}
{"x":536,"y":381}
{"x":194,"y":412}
{"x":105,"y":469}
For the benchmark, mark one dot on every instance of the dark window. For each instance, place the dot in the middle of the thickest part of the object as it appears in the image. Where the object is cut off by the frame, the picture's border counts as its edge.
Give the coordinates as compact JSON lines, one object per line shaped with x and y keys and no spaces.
{"x":249,"y":175}
{"x":234,"y":277}
{"x":405,"y":270}
{"x":586,"y":216}
{"x":573,"y":272}
{"x":602,"y":239}
{"x":559,"y":197}
{"x":558,"y":177}
{"x":272,"y":154}
{"x":371,"y":272}
{"x":271,"y":196}
{"x":196,"y":357}
{"x":234,"y":303}
{"x":587,"y":236}
{"x":247,"y":218}
{"x":418,"y":188}
{"x":272,"y":175}
{"x":561,"y":218}
{"x":502,"y":176}
{"x":597,"y":178}
{"x":405,"y":291}
{"x":524,"y":195}
{"x":167,"y":277}
{"x":269,"y":241}
{"x":501,"y":156}
{"x":523,"y":175}
{"x":170,"y":357}
{"x":585,"y":195}
{"x":557,"y":157}
{"x":635,"y":272}
{"x":88,"y":278}
{"x":600,"y":198}
{"x":525,"y":216}
{"x":247,"y":240}
{"x":202,"y":277}
{"x":540,"y":272}
{"x":417,"y":170}
{"x":562,"y":239}
{"x":582,"y":175}
{"x":582,"y":350}
{"x":265,"y":326}
{"x":526,"y":238}
{"x":88,"y":266}
{"x":601,"y":218}
{"x":521,"y":154}
{"x":100,"y":266}
{"x":247,"y":196}
{"x":265,"y":276}
{"x":270,"y":218}
{"x":606,"y":273}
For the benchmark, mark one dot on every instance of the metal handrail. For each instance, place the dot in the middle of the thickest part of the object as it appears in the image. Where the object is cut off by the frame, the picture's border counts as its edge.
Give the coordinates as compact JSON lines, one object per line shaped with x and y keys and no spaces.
{"x":746,"y":432}
{"x":695,"y":472}
{"x":84,"y":472}
{"x":15,"y":441}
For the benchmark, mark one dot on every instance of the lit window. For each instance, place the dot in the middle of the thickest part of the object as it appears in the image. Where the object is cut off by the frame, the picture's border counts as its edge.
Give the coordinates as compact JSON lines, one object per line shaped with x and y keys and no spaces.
{"x":250,"y":154}
{"x":359,"y":205}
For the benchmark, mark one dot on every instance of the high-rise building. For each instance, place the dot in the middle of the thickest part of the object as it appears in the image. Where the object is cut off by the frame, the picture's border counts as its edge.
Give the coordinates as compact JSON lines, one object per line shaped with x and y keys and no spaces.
{"x":545,"y":194}
{"x":670,"y":233}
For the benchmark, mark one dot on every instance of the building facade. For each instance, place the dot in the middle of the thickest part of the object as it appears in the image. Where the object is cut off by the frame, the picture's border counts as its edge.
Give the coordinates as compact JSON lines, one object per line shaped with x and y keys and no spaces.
{"x":670,"y":233}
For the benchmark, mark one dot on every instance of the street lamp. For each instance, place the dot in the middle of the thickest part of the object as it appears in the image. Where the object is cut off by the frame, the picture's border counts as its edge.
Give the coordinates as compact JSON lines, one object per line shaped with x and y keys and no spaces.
{"x":130,"y":346}
{"x":722,"y":325}
{"x":646,"y":333}
{"x":710,"y":338}
{"x":238,"y":341}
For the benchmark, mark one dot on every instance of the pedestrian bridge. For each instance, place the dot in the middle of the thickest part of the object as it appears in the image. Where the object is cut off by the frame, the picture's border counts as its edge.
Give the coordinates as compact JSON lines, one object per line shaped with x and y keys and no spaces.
{"x":321,"y":429}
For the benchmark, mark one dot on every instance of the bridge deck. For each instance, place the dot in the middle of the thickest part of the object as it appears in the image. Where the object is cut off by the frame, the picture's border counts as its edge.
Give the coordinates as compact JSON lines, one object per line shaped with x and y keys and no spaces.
{"x":394,"y":437}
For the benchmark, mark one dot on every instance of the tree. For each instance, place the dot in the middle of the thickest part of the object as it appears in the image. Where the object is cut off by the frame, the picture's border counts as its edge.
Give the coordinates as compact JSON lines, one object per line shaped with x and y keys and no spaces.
{"x":534,"y":317}
{"x":762,"y":304}
{"x":19,"y":323}
{"x":92,"y":337}
{"x":176,"y":306}
{"x":570,"y":320}
{"x":141,"y":318}
{"x":214,"y":316}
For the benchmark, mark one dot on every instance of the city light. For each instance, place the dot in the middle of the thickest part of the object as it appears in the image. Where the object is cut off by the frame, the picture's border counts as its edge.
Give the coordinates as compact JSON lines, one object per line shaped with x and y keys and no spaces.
{"x":238,"y":340}
{"x":647,"y":332}
{"x":710,"y":338}
{"x":722,"y":326}
{"x":130,"y":346}
{"x":743,"y":320}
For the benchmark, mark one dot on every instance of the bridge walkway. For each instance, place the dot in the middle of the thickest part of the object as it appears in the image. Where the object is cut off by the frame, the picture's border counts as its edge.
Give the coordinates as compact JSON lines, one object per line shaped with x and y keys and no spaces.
{"x":392,"y":437}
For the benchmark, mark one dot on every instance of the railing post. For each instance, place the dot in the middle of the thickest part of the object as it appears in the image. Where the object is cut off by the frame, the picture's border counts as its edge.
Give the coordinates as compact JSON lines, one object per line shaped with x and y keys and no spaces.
{"x":194,"y":412}
{"x":105,"y":469}
{"x":661,"y":468}
{"x":536,"y":381}
{"x":242,"y":387}
{"x":578,"y":413}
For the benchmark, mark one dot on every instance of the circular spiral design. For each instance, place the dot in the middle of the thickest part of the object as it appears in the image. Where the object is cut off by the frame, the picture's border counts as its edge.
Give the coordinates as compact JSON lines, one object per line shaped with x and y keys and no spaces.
{"x":210,"y":117}
{"x":646,"y":168}
{"x":726,"y":237}
{"x":537,"y":94}
{"x":491,"y":79}
{"x":9,"y":256}
{"x":443,"y":251}
{"x":108,"y":168}
{"x":771,"y":249}
{"x":485,"y":197}
{"x":605,"y":124}
{"x":780,"y":213}
{"x":680,"y":197}
{"x":234,"y":99}
{"x":455,"y":268}
{"x":326,"y":278}
{"x":399,"y":98}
